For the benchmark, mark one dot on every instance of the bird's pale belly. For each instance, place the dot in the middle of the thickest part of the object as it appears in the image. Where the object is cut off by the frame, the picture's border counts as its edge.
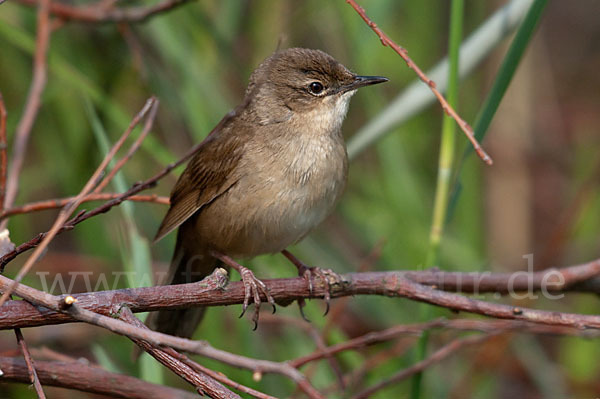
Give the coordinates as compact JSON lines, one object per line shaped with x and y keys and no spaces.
{"x":277,"y":214}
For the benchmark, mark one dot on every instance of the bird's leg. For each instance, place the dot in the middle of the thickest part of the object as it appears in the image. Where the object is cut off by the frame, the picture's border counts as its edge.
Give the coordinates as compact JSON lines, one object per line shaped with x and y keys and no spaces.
{"x":252,"y":286}
{"x":308,"y":273}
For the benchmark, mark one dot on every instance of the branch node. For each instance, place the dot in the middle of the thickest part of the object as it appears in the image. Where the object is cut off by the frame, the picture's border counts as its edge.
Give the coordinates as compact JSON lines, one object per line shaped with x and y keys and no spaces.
{"x":67,"y":302}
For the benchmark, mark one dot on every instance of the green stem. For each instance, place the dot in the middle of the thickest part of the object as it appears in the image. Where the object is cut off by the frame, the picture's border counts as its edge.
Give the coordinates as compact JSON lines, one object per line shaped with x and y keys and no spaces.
{"x":448,"y":142}
{"x":445,"y":164}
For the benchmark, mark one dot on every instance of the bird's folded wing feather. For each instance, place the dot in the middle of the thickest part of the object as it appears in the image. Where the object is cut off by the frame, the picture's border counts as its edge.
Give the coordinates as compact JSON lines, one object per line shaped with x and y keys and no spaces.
{"x":208,"y":175}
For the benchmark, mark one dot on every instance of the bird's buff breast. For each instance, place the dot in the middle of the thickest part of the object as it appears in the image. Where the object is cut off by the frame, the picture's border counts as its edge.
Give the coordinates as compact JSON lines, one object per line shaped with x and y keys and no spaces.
{"x":282,"y":201}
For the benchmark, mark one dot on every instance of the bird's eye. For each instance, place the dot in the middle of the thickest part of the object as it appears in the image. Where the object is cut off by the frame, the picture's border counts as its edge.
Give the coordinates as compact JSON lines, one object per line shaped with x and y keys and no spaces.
{"x":315,"y":88}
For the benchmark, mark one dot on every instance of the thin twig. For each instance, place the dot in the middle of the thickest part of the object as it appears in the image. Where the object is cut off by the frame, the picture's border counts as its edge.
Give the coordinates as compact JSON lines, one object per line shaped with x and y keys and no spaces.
{"x":203,"y":383}
{"x":317,"y":338}
{"x":3,"y":157}
{"x":386,"y":41}
{"x":66,"y":212}
{"x":186,"y":368}
{"x":134,"y":147}
{"x":61,"y":202}
{"x":389,"y":334}
{"x":436,"y":357}
{"x":95,"y":13}
{"x":366,"y":340}
{"x":32,"y":105}
{"x":30,"y":366}
{"x":356,"y":377}
{"x":219,"y":376}
{"x":136,"y":188}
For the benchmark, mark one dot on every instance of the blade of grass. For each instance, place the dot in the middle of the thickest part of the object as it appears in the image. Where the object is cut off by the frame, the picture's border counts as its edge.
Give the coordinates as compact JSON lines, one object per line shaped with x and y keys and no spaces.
{"x":68,"y":73}
{"x":136,"y":254}
{"x":503,"y":78}
{"x":104,"y":359}
{"x":508,"y":68}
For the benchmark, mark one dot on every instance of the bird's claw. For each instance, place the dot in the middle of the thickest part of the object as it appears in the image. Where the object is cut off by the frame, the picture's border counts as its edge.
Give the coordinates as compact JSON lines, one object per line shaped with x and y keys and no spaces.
{"x":328,"y":276}
{"x":252,"y":289}
{"x":308,"y":273}
{"x":301,"y":304}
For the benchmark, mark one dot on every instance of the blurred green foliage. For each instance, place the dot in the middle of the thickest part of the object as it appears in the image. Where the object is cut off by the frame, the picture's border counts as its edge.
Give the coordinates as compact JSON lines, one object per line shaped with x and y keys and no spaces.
{"x":197,"y":59}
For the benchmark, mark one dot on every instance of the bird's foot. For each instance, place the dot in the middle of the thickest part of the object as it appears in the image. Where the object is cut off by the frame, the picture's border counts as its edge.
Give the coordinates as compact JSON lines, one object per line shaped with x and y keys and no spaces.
{"x":327,"y":276}
{"x":253,"y":287}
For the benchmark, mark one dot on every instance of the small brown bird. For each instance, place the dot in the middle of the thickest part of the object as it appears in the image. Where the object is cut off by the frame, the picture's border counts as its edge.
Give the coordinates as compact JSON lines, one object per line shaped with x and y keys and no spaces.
{"x":273,"y":171}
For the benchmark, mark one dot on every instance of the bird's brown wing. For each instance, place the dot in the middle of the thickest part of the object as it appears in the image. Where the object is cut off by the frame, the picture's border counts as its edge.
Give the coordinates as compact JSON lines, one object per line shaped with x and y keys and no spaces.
{"x":209,"y":174}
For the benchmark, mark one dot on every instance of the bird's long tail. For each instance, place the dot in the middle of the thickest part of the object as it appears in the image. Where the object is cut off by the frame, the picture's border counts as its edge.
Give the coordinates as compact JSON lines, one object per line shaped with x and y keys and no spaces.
{"x":186,"y":267}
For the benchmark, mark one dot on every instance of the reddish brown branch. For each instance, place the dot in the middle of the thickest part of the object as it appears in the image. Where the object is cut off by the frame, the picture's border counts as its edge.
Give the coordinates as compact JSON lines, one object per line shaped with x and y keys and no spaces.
{"x":436,"y":357}
{"x":33,"y":376}
{"x":203,"y":383}
{"x":169,"y":357}
{"x":368,"y":339}
{"x":399,"y":283}
{"x":98,"y":13}
{"x":61,"y":202}
{"x":283,"y":290}
{"x":552,"y":280}
{"x":32,"y":104}
{"x":70,"y":306}
{"x":219,"y":376}
{"x":487,"y":326}
{"x":67,"y":211}
{"x":80,"y":376}
{"x":132,"y":150}
{"x":386,"y":41}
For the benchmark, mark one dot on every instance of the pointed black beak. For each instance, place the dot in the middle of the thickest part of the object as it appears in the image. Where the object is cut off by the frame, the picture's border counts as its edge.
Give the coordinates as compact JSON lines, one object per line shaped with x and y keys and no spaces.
{"x":361,"y":81}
